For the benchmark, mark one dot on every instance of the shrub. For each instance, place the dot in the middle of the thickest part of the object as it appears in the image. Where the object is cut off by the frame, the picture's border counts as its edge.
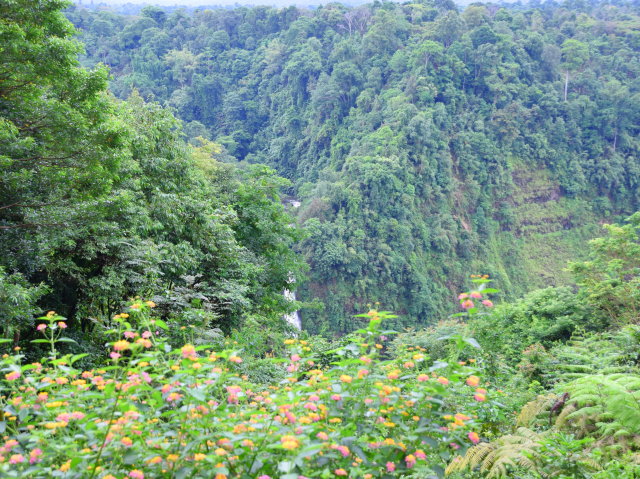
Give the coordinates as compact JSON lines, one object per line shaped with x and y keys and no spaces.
{"x":18,"y":304}
{"x":156,"y":411}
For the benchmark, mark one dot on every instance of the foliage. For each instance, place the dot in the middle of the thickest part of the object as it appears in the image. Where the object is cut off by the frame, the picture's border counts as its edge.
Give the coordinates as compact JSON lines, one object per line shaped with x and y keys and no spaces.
{"x":600,"y":412}
{"x":102,"y":200}
{"x":605,"y":407}
{"x":17,"y":304}
{"x":564,"y":456}
{"x":544,"y":316}
{"x":433,"y":339}
{"x":161,"y":412}
{"x":587,"y":427}
{"x":610,"y":280}
{"x":604,"y":353}
{"x":423,"y":142}
{"x":59,"y":136}
{"x":497,"y":458}
{"x":628,"y":467}
{"x":449,"y":339}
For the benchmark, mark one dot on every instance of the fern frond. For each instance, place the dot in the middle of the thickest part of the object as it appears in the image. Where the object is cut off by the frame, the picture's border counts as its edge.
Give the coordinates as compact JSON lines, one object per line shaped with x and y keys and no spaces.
{"x":472,"y":459}
{"x":496,"y":458}
{"x":595,"y":465}
{"x":607,"y":406}
{"x":562,"y":418}
{"x":534,"y":408}
{"x":479,"y":453}
{"x":585,"y":411}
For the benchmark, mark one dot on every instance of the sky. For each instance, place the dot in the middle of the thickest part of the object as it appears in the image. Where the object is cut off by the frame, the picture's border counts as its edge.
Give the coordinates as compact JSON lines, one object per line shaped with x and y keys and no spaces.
{"x":195,"y":3}
{"x":210,"y":3}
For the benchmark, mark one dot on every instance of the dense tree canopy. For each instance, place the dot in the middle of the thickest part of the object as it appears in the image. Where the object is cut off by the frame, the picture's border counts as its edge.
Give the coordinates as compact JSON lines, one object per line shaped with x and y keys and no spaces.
{"x":423,"y":141}
{"x":101,"y":199}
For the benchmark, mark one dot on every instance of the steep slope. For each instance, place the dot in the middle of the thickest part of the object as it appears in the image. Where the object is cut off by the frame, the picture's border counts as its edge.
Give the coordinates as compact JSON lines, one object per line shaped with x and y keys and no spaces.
{"x":426,"y":144}
{"x":102,"y":200}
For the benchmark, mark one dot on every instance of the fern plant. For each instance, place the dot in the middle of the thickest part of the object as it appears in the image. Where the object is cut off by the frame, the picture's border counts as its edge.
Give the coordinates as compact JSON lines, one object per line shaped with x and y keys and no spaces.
{"x":535,"y":409}
{"x":602,"y":353}
{"x":602,"y":412}
{"x":496,"y":459}
{"x":606,"y":407}
{"x":521,"y":449}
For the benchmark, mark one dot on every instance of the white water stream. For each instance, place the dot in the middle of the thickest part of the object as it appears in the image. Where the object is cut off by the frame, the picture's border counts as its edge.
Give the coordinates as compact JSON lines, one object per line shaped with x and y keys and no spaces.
{"x":292,"y":318}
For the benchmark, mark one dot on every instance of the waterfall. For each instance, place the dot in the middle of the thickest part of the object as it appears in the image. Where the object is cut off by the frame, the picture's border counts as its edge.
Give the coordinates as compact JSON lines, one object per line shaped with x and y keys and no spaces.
{"x":292,"y":318}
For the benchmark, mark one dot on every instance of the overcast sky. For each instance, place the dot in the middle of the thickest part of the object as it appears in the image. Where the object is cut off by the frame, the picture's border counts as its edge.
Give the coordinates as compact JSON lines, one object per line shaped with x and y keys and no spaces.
{"x":195,"y":3}
{"x":210,"y":3}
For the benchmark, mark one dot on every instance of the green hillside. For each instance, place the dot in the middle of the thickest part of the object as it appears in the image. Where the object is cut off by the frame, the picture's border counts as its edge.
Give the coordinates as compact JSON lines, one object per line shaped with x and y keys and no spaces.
{"x":425,"y":143}
{"x":405,"y":155}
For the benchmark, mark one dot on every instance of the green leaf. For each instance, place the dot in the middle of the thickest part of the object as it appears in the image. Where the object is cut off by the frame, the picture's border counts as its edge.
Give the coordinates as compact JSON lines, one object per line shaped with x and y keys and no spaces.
{"x":161,"y":324}
{"x":489,"y":290}
{"x":308,"y":452}
{"x":77,"y":357}
{"x":197,"y":393}
{"x":357,"y":450}
{"x":286,"y":466}
{"x":438,"y":365}
{"x":130,"y":457}
{"x":183,"y":473}
{"x":22,"y":414}
{"x":472,"y":342}
{"x":438,"y":470}
{"x":257,"y":466}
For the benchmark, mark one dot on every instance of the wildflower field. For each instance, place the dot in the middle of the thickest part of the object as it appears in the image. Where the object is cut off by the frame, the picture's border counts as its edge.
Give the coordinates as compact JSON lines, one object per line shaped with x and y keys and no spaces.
{"x":157,"y":411}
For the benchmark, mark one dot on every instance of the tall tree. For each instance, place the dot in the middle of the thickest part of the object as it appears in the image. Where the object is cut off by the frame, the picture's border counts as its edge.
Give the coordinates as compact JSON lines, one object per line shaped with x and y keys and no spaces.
{"x":574,"y":54}
{"x":58,"y":138}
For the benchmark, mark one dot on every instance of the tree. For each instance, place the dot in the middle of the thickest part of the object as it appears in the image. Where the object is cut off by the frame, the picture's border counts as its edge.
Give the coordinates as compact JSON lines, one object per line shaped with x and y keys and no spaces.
{"x":101,"y":199}
{"x":574,"y":54}
{"x":357,"y":20}
{"x":493,"y":171}
{"x":59,"y":140}
{"x":610,"y":279}
{"x":448,"y":28}
{"x":18,"y":304}
{"x":155,"y":13}
{"x":429,"y":50}
{"x":182,"y":64}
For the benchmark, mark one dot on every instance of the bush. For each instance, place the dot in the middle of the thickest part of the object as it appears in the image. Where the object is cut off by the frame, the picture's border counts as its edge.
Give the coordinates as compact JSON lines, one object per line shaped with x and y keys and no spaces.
{"x":434,"y":340}
{"x":156,"y":411}
{"x":546,"y":316}
{"x":18,"y":306}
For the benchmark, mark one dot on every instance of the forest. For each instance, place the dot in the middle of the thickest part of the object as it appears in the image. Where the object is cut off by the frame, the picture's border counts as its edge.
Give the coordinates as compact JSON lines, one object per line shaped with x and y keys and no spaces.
{"x":423,"y":142}
{"x":465,"y":253}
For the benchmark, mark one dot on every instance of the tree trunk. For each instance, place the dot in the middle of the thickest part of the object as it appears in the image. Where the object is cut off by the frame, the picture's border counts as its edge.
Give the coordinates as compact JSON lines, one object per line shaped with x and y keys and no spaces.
{"x":566,"y":85}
